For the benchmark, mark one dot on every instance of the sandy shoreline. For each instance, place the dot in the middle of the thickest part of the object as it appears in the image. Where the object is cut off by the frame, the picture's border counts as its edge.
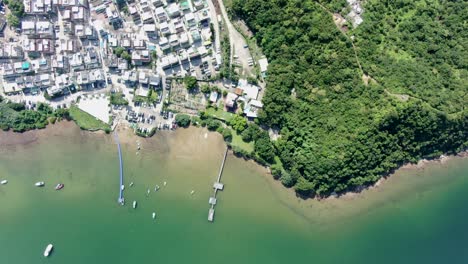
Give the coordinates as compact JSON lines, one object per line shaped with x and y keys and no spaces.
{"x":421,"y":165}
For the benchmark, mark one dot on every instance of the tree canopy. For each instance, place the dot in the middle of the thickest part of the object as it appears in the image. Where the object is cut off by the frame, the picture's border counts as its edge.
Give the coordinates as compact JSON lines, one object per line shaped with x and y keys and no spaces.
{"x":338,"y":132}
{"x":190,"y":82}
{"x":182,"y":120}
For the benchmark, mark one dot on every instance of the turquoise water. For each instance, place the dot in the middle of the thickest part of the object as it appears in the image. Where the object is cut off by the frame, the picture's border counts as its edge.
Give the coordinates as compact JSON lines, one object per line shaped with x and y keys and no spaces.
{"x":415,"y":217}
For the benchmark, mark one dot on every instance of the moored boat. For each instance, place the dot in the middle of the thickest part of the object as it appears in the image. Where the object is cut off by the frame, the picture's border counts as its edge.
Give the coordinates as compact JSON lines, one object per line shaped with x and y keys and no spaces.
{"x":134,"y":204}
{"x":39,"y":184}
{"x":59,"y":186}
{"x":3,"y":182}
{"x":122,"y":187}
{"x":48,"y":250}
{"x":154,"y":215}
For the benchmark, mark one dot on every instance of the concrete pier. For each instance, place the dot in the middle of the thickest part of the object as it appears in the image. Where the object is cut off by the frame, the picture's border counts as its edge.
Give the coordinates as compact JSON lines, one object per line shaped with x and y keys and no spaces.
{"x":217,"y":186}
{"x":121,"y":189}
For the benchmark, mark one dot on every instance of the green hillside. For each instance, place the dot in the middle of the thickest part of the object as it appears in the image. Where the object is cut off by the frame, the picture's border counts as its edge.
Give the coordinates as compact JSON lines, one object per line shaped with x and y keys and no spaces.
{"x":338,"y":132}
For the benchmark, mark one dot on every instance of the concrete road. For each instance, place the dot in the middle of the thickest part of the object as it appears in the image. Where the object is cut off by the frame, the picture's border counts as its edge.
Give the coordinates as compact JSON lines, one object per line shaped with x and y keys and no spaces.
{"x":238,"y":52}
{"x":214,"y":20}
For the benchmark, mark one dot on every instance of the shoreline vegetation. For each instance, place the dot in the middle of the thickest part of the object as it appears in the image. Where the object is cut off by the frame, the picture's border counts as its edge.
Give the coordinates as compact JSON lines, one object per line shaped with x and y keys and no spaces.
{"x":421,"y":164}
{"x":86,"y":121}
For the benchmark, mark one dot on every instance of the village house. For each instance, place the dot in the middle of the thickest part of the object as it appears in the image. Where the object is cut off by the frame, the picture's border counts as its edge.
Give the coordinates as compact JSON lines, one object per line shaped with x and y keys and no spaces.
{"x":38,"y":7}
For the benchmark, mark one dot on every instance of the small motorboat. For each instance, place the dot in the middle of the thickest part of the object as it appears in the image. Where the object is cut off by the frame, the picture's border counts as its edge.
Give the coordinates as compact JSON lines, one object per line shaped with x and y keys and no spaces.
{"x":154,"y":215}
{"x":48,"y":250}
{"x":122,"y":187}
{"x":59,"y":186}
{"x":3,"y":182}
{"x":192,"y":192}
{"x":39,"y":184}
{"x":131,"y":184}
{"x":134,"y":204}
{"x":148,"y":192}
{"x":165,"y":183}
{"x":156,"y":188}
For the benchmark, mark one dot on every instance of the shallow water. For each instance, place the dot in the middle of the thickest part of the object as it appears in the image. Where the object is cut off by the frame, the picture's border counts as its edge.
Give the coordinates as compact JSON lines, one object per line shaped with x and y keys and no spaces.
{"x":417,"y":216}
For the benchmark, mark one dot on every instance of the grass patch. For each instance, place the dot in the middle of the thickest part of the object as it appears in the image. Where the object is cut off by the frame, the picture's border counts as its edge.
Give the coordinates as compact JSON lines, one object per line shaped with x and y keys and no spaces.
{"x":238,"y":142}
{"x":86,"y":121}
{"x":219,"y":114}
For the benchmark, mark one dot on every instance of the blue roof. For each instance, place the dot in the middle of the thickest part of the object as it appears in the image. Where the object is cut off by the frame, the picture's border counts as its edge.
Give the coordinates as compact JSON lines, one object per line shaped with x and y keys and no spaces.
{"x":25,"y":65}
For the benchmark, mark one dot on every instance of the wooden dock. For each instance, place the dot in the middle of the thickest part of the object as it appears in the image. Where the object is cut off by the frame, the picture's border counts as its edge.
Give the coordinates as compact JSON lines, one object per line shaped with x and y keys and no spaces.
{"x":217,"y":186}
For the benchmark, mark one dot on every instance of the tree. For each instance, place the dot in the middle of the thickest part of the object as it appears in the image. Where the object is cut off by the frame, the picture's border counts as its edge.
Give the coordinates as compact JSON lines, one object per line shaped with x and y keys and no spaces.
{"x":13,"y":20}
{"x":154,"y":55}
{"x":126,"y":56}
{"x":264,"y":149}
{"x":252,"y":132}
{"x":276,"y":170}
{"x":182,"y":120}
{"x":238,"y":122}
{"x":205,"y":88}
{"x":190,"y":82}
{"x":118,"y":51}
{"x":303,"y":186}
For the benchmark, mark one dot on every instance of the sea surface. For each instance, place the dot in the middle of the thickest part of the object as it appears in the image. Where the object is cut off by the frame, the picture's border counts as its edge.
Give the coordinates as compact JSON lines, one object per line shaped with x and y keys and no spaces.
{"x":416,"y":216}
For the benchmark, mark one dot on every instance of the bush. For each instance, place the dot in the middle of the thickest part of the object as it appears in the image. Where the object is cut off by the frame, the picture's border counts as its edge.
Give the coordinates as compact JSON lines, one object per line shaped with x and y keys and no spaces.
{"x":196,"y":121}
{"x":276,"y":171}
{"x":212,"y":124}
{"x":227,"y":135}
{"x":205,"y":88}
{"x":118,"y":99}
{"x":16,"y":106}
{"x":182,"y":120}
{"x":287,"y":180}
{"x":239,"y":152}
{"x":52,"y":120}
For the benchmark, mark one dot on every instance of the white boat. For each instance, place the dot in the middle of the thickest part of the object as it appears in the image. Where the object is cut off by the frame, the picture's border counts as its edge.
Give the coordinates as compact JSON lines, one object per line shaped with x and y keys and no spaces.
{"x":134,"y":204}
{"x":122,"y":187}
{"x":156,"y":188}
{"x":148,"y":192}
{"x":3,"y":182}
{"x":131,"y":184}
{"x":165,"y":183}
{"x":39,"y":184}
{"x":154,"y":215}
{"x":48,"y":250}
{"x":192,"y":192}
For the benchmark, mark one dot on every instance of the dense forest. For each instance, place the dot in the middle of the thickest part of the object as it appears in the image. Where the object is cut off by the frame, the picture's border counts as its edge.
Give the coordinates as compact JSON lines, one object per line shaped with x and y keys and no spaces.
{"x":353,"y":104}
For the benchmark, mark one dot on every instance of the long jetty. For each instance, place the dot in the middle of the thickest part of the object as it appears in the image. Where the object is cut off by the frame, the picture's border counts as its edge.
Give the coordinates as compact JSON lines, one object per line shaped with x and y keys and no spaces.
{"x":216,"y":186}
{"x":121,"y":197}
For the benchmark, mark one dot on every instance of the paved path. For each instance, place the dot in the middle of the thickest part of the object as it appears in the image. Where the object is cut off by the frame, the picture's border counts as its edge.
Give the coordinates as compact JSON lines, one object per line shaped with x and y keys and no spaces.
{"x":214,"y":20}
{"x":237,"y":43}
